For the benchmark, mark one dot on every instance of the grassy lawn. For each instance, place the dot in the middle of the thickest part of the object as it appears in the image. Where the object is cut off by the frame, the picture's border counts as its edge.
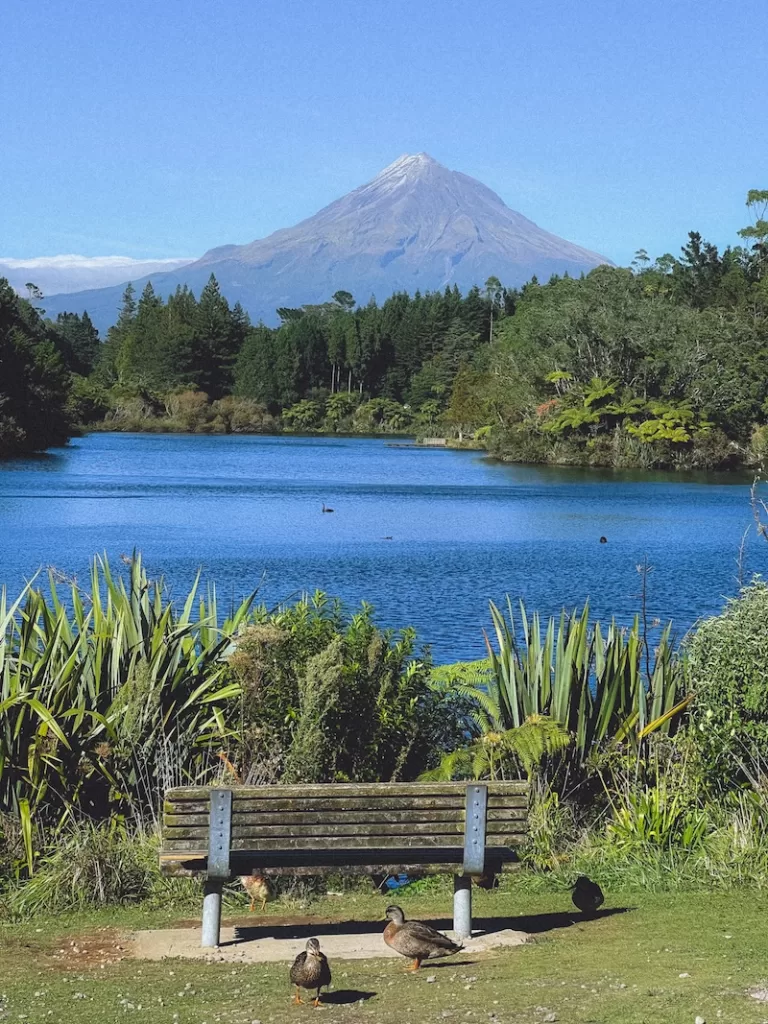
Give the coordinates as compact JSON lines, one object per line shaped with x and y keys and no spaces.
{"x":665,"y":959}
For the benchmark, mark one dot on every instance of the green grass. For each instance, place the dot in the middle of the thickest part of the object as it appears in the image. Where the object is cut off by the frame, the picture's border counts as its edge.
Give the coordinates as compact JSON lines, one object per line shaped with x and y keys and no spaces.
{"x":625,"y":967}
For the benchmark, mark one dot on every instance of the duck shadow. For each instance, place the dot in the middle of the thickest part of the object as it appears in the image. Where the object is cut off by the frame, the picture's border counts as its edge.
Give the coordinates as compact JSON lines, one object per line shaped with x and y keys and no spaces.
{"x":537,"y":924}
{"x":533,"y":924}
{"x":346,"y":996}
{"x":442,"y":964}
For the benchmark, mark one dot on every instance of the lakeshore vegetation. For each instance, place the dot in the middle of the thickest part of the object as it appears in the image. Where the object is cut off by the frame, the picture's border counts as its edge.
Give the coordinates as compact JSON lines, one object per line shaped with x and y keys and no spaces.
{"x":663,"y":364}
{"x":647,"y":761}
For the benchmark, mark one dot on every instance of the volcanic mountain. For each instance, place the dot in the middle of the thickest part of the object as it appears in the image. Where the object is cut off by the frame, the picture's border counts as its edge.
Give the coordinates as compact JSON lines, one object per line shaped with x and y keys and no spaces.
{"x":417,"y":225}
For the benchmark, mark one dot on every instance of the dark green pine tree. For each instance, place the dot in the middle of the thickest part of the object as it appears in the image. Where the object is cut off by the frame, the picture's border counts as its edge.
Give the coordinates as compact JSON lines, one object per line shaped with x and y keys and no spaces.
{"x":254,"y":373}
{"x":108,"y":368}
{"x":79,"y":342}
{"x":308,"y":337}
{"x":240,"y":324}
{"x":178,"y":339}
{"x":476,"y":313}
{"x":215,"y":342}
{"x":143,"y":365}
{"x":34,"y":382}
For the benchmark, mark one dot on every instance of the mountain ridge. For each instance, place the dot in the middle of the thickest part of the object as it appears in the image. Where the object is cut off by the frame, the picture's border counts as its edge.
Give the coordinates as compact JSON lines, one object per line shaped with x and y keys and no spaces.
{"x":415,"y":225}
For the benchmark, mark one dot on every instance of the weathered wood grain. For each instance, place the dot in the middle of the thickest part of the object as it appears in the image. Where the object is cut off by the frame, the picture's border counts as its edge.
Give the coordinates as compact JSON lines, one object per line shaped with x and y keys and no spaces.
{"x":371,"y":790}
{"x":347,"y":806}
{"x":349,"y":828}
{"x":287,"y":843}
{"x":331,"y":830}
{"x":259,"y":818}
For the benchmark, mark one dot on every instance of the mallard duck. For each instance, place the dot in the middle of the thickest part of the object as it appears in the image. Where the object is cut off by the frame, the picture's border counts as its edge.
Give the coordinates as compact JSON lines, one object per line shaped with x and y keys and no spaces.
{"x":258,"y":887}
{"x":587,"y":895}
{"x":416,"y":940}
{"x":310,"y":970}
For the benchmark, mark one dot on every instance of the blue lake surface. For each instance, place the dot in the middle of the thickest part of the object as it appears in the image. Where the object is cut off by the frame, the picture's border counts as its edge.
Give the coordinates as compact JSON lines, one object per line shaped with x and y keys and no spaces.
{"x":463,"y":529}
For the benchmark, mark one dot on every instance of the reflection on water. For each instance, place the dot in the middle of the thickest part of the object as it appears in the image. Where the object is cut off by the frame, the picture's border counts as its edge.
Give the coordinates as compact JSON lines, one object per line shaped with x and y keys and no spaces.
{"x":427,"y":536}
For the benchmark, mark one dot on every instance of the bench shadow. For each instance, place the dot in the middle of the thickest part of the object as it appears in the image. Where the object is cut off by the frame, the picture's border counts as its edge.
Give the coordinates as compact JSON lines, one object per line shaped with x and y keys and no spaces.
{"x":537,"y":924}
{"x":533,"y":924}
{"x":345,"y":997}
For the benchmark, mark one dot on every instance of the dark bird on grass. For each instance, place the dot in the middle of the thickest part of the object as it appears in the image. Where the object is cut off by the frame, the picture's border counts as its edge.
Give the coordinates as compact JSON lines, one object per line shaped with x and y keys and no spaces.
{"x":416,"y":940}
{"x":310,"y":971}
{"x":603,"y":540}
{"x":487,"y":882}
{"x":258,"y":888}
{"x":587,"y":895}
{"x":326,"y":509}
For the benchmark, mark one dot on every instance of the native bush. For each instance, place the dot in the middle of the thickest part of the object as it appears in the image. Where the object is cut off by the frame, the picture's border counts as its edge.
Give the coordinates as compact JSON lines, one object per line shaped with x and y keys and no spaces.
{"x":339,"y":698}
{"x":727,"y":658}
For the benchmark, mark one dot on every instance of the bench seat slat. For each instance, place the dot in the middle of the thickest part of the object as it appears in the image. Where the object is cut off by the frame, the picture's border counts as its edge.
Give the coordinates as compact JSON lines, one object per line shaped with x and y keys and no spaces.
{"x":331,"y":831}
{"x":256,"y":845}
{"x":368,"y":790}
{"x":262,"y":818}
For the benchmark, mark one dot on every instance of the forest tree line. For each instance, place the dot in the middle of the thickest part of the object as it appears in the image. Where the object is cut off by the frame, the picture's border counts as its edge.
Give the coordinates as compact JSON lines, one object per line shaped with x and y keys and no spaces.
{"x":664,"y":363}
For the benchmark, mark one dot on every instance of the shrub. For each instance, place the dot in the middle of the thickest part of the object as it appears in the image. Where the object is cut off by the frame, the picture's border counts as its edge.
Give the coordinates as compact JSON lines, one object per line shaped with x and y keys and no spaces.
{"x":727,"y":660}
{"x":103,"y":706}
{"x":339,"y":410}
{"x":190,"y":409}
{"x":339,"y":698}
{"x":305,"y":415}
{"x":758,"y":448}
{"x":88,"y":401}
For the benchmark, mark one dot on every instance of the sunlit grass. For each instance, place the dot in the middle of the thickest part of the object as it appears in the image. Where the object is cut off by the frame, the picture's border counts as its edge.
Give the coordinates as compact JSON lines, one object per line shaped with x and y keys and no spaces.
{"x":664,"y":959}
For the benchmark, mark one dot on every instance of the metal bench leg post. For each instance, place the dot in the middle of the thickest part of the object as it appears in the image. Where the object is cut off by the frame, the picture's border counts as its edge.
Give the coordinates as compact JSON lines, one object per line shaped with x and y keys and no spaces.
{"x":462,"y":906}
{"x":474,"y":858}
{"x":219,"y":842}
{"x":212,"y":913}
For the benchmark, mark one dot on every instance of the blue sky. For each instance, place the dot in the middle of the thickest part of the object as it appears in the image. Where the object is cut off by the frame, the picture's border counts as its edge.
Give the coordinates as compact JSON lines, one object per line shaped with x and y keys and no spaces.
{"x":163,"y":129}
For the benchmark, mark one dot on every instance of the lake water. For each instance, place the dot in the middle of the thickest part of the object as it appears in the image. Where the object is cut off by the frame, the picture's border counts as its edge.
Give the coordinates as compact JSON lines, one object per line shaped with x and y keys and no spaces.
{"x":463,"y":529}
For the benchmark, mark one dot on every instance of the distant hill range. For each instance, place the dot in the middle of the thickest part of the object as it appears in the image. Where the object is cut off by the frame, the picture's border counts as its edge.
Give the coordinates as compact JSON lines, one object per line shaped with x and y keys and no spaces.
{"x":56,"y":274}
{"x":417,"y":225}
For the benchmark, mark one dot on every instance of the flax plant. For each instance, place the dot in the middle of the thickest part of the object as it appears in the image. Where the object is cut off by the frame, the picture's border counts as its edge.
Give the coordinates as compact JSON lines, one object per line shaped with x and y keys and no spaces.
{"x":94,"y":689}
{"x":599,"y":684}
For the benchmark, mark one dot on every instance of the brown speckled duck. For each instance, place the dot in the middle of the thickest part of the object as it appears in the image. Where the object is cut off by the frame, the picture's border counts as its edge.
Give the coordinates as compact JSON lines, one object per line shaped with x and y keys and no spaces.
{"x":311,"y":971}
{"x":258,"y":888}
{"x":416,"y":940}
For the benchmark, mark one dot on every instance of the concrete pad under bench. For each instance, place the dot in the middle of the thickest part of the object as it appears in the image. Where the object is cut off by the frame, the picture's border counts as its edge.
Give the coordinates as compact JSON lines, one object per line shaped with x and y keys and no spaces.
{"x":262,"y":944}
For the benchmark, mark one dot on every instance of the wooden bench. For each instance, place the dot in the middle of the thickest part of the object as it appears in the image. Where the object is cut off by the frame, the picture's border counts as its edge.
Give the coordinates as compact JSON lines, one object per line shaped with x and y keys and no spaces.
{"x":470,"y":829}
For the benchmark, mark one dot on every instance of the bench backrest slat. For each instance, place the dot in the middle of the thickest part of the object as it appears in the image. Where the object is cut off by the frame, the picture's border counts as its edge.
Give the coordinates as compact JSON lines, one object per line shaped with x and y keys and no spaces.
{"x":334,"y":790}
{"x":370,"y":819}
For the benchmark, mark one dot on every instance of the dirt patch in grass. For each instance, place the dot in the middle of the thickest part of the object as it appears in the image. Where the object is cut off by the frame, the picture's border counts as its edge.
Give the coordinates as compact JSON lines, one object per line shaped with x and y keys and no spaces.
{"x":101,"y":948}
